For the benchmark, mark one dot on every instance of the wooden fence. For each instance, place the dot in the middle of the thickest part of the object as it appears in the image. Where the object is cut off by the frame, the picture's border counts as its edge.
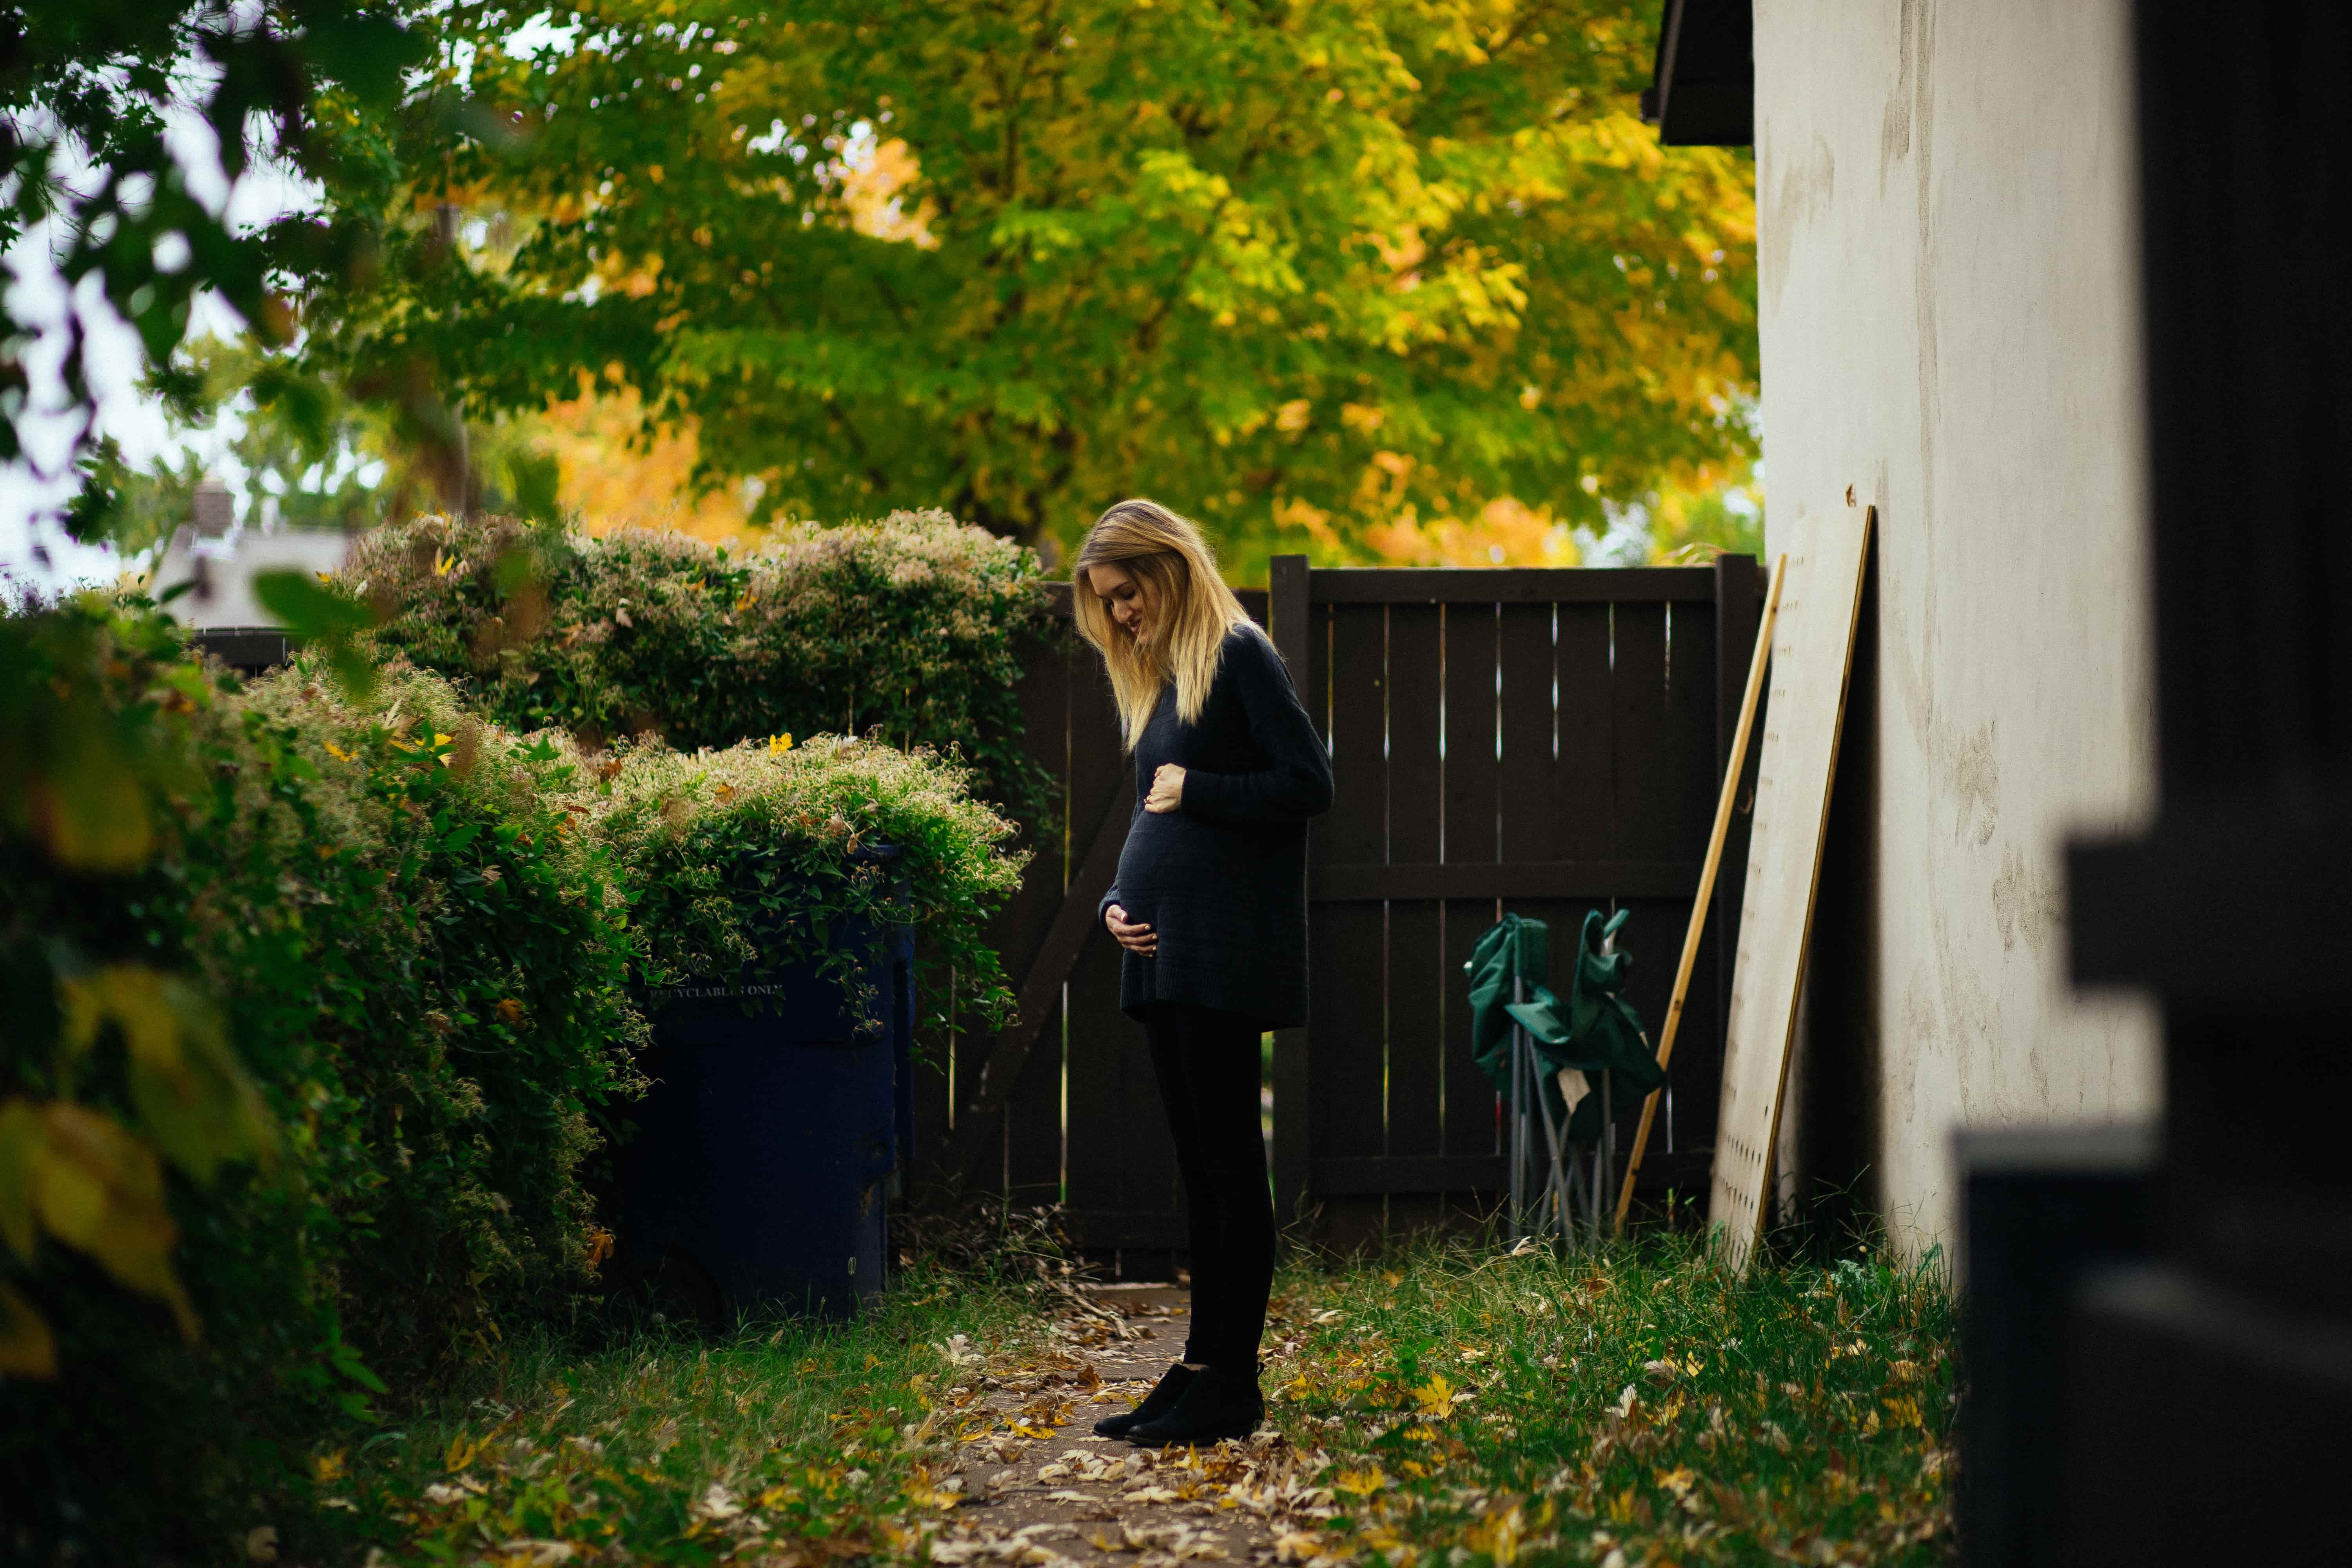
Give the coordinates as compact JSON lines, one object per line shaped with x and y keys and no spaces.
{"x":1548,"y":742}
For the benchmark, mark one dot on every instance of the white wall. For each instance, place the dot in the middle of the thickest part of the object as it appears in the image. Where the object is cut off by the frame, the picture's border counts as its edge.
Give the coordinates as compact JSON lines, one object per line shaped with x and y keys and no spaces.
{"x":1949,"y":327}
{"x":225,"y":569}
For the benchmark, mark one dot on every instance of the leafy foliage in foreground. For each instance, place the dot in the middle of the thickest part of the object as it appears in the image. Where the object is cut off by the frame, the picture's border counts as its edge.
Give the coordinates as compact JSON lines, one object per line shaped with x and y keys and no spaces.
{"x":316,"y":1004}
{"x":1642,"y":1406}
{"x":910,"y":628}
{"x":309,"y":1061}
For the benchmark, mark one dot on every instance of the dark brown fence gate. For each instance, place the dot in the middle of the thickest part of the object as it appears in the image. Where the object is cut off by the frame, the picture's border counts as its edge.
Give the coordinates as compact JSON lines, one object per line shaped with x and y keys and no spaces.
{"x":1545,"y":741}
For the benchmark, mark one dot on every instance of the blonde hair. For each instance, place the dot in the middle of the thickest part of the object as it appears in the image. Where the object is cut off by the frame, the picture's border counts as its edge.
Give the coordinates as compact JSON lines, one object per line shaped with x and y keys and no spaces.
{"x":1195,"y":609}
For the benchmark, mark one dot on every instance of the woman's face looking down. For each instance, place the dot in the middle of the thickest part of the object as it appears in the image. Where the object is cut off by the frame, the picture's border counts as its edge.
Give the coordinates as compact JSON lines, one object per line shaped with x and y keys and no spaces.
{"x":1133,"y":604}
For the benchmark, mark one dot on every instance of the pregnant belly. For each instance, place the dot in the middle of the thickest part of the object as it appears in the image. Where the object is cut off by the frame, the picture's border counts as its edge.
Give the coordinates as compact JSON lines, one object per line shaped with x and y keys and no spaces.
{"x":1176,"y":854}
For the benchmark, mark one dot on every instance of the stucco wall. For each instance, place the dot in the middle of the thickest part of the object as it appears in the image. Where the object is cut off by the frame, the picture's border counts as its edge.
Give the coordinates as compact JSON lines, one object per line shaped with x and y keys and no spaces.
{"x":1949,"y":328}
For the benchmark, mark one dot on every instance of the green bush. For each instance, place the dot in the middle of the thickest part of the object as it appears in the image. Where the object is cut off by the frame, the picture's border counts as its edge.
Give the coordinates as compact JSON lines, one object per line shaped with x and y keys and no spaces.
{"x":750,"y":856}
{"x":910,"y":629}
{"x":363,"y":929}
{"x":321,"y":1003}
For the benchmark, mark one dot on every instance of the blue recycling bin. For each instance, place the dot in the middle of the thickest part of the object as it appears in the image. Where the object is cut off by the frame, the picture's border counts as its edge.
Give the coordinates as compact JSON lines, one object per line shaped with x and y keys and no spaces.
{"x":767,"y":1153}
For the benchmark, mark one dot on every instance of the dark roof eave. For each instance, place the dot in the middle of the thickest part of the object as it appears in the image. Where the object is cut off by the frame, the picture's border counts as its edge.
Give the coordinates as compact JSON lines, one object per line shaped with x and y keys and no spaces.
{"x":1703,"y":86}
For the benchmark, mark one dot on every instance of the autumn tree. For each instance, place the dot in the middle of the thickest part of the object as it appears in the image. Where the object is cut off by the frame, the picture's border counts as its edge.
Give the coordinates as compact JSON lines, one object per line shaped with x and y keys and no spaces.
{"x":1299,"y":268}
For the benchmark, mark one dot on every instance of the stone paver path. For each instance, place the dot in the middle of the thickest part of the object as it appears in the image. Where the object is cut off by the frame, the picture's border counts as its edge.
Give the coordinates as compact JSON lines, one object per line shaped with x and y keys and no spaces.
{"x":1041,"y":1488}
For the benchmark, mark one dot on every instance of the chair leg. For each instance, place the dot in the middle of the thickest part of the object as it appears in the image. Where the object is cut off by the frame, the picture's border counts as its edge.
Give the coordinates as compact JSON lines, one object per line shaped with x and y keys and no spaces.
{"x":1520,"y":1051}
{"x":1552,"y":1142}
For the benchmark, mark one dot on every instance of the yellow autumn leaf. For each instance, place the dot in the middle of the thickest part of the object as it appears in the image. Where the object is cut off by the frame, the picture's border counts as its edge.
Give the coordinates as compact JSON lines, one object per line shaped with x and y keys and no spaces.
{"x":20,"y":1143}
{"x":1360,"y":1483}
{"x":99,"y":1188}
{"x":28,"y":1346}
{"x":1436,"y":1398}
{"x":779,"y":745}
{"x":1498,"y":1535}
{"x":192,"y":1095}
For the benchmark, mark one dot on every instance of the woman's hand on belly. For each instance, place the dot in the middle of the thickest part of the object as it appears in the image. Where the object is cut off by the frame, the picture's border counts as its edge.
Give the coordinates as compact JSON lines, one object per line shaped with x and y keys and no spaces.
{"x":1167,"y":789}
{"x":1135,"y":936}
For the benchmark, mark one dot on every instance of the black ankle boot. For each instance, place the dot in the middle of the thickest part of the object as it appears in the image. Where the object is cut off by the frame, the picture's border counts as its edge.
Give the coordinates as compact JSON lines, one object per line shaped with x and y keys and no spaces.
{"x":1218,"y":1404}
{"x":1158,"y":1401}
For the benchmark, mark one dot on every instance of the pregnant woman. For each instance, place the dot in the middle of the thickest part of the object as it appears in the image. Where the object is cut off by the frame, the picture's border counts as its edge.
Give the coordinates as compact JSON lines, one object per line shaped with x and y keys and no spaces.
{"x":1210,"y":907}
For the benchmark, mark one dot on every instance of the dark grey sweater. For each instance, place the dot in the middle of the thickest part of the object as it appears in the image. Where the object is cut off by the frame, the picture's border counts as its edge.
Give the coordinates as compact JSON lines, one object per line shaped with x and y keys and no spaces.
{"x":1223,"y":879}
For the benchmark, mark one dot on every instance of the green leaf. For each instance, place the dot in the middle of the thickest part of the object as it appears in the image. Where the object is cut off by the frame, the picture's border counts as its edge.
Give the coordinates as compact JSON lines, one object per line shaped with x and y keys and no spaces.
{"x":364,"y":54}
{"x":309,"y":608}
{"x":324,"y":616}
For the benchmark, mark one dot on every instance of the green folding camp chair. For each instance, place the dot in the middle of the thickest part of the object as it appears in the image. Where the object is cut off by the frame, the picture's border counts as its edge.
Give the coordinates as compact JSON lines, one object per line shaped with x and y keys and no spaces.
{"x":1562,"y":1067}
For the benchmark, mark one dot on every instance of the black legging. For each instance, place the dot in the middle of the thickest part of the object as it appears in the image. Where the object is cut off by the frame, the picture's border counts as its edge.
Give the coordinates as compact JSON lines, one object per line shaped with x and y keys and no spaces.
{"x":1207,"y":1064}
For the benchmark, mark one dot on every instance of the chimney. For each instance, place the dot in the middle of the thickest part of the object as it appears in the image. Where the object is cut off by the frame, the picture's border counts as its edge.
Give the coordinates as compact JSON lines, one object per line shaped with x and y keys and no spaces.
{"x":213,"y":508}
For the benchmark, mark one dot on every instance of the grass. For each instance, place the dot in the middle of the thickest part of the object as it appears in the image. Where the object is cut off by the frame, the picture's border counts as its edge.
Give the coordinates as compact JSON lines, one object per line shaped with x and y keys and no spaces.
{"x":1639,"y":1407}
{"x":668,"y":1446}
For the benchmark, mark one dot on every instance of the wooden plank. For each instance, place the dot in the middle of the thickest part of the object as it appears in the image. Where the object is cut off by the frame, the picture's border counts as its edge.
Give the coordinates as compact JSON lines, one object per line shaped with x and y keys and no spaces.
{"x":1739,"y":600}
{"x":1415,"y":1077}
{"x":1473,"y":843}
{"x":1813,"y":659}
{"x":1041,"y":991}
{"x":1472,"y":1109}
{"x":1356,"y":827}
{"x":1020,"y":928}
{"x":1029,"y":1148}
{"x":1686,"y":777}
{"x":1118,"y":1153}
{"x":1514,"y":585}
{"x":1603,"y":879}
{"x":1348,"y":947}
{"x":1290,"y":621}
{"x":1647,"y":803}
{"x":1440,"y":1173}
{"x":1416,"y":656}
{"x":1028,"y":1157}
{"x":1531,"y":828}
{"x":1583,"y":803}
{"x":1472,"y":778}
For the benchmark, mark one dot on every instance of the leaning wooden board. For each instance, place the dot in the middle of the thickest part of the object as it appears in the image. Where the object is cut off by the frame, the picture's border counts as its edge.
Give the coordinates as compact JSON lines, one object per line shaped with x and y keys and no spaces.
{"x":1813,"y":657}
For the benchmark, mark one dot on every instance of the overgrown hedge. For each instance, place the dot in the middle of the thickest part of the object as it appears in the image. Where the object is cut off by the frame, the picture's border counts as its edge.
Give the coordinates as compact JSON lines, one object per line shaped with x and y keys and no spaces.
{"x":910,"y":629}
{"x":750,"y":855}
{"x":322,"y":1002}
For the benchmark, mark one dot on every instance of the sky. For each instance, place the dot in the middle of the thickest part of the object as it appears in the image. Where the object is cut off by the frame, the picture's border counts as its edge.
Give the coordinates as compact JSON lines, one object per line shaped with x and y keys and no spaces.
{"x":31,"y":491}
{"x":32,"y":548}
